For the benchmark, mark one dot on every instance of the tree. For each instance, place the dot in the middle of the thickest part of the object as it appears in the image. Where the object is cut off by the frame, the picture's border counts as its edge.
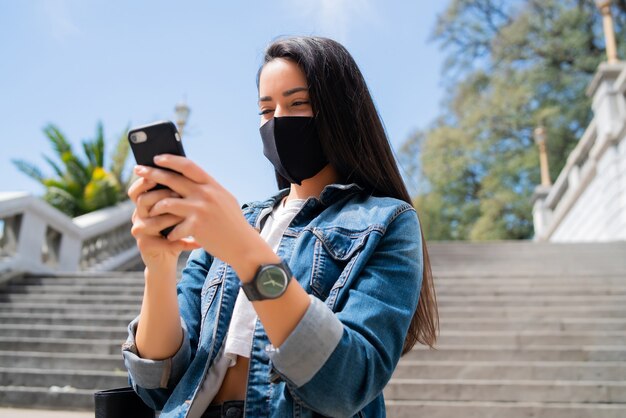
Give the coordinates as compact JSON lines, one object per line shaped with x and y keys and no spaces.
{"x":511,"y":65}
{"x":81,"y":185}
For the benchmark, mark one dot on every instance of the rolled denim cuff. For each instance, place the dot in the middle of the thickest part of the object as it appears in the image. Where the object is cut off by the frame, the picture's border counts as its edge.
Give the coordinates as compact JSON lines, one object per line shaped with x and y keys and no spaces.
{"x":309,"y":345}
{"x":155,"y":374}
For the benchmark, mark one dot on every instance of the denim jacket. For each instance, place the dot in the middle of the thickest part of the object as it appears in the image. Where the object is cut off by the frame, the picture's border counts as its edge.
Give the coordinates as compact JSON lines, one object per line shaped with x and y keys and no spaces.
{"x":359,"y":257}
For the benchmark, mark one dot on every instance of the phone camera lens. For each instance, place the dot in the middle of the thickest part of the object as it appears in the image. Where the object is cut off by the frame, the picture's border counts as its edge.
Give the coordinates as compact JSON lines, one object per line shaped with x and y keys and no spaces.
{"x":138,"y":137}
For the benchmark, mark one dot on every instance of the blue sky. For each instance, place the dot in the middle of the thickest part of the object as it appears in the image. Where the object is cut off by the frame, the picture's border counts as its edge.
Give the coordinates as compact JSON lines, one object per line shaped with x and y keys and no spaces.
{"x":74,"y":63}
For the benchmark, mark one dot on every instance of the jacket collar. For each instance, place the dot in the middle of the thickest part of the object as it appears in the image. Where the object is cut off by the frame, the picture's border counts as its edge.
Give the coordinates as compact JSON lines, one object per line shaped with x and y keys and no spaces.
{"x":329,"y":195}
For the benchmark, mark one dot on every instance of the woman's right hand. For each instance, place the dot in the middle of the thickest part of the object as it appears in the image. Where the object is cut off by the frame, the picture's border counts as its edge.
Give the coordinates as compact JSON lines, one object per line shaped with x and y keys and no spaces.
{"x":156,"y":251}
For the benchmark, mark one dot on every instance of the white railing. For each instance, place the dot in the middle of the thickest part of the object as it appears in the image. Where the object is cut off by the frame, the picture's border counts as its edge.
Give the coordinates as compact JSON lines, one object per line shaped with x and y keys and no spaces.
{"x":595,"y":160}
{"x":37,"y":238}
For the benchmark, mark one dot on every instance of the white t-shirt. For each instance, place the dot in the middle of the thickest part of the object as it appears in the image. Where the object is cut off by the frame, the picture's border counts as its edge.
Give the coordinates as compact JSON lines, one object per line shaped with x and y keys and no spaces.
{"x":238,"y":341}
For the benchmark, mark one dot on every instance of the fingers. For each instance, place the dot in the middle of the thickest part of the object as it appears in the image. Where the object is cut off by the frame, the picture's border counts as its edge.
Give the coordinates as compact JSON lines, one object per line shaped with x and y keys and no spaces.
{"x":138,"y":187}
{"x":147,"y":200}
{"x":184,"y":166}
{"x":182,"y":230}
{"x":175,"y":206}
{"x":177,"y":182}
{"x":152,"y":226}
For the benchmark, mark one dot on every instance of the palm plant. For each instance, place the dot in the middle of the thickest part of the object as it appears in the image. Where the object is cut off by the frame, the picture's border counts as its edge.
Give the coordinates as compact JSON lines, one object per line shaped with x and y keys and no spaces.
{"x":81,"y":185}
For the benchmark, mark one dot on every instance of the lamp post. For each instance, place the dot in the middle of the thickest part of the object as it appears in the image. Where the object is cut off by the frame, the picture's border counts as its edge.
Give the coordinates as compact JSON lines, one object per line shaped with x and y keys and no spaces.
{"x":182,"y":114}
{"x":609,"y":34}
{"x":540,"y":140}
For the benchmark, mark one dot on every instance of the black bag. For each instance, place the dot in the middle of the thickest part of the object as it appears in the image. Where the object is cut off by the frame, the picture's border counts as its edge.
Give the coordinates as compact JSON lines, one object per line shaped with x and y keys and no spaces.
{"x":121,"y":403}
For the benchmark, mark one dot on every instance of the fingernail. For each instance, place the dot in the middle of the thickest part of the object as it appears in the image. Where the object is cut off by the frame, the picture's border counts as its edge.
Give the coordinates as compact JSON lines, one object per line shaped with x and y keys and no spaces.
{"x":140,"y":169}
{"x":158,"y":158}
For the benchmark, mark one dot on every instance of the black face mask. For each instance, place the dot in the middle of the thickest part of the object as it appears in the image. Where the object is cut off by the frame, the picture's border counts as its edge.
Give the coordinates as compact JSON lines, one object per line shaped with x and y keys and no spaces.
{"x":292,"y":145}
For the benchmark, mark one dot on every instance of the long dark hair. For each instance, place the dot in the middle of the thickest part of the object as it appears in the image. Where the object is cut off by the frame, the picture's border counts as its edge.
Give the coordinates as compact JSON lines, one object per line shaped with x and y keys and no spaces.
{"x":354,"y":141}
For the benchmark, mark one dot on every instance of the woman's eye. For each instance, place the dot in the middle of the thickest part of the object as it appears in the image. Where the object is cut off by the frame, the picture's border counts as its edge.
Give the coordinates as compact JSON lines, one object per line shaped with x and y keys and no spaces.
{"x":299,"y":103}
{"x":263,"y":112}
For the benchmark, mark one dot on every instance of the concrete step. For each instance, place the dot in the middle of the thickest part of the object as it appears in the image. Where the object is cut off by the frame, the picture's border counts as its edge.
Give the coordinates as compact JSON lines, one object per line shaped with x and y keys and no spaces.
{"x":507,"y":390}
{"x":504,"y":270}
{"x":538,"y":300}
{"x":512,"y":277}
{"x":66,"y":319}
{"x":539,"y":324}
{"x":505,"y":267}
{"x":44,"y":360}
{"x":53,"y":308}
{"x":536,"y":352}
{"x":46,"y":397}
{"x":524,"y":247}
{"x":512,"y":370}
{"x":76,"y":289}
{"x":588,"y":264}
{"x":524,"y":337}
{"x":456,"y":279}
{"x":529,"y":252}
{"x":29,"y":412}
{"x":480,"y":409}
{"x":61,"y":345}
{"x":71,"y":298}
{"x":63,"y":331}
{"x":532,"y":312}
{"x":83,"y":281}
{"x":529,"y":291}
{"x":80,"y":379}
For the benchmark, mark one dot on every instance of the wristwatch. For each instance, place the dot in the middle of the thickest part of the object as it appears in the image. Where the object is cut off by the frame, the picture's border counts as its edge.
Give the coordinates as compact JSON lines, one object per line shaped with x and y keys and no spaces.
{"x":270,"y":282}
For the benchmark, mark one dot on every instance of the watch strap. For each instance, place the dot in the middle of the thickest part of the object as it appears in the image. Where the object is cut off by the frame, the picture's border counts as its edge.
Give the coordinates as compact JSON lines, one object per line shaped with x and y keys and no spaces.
{"x":251,"y":291}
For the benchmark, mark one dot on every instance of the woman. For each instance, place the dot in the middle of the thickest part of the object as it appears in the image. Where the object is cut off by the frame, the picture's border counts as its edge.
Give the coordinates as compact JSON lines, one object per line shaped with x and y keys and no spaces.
{"x":299,"y":305}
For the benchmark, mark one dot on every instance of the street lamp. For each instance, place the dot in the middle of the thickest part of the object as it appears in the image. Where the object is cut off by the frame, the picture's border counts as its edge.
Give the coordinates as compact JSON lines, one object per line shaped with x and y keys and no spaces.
{"x":182,"y":114}
{"x":540,"y":140}
{"x":609,"y":34}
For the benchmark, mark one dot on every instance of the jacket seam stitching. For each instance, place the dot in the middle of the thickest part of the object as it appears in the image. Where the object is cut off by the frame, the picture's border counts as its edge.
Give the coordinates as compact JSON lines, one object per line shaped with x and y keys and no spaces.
{"x":399,"y":212}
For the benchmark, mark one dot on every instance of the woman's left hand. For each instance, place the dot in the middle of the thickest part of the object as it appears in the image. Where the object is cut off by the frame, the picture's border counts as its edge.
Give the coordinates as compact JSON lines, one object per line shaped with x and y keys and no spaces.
{"x":212,"y":215}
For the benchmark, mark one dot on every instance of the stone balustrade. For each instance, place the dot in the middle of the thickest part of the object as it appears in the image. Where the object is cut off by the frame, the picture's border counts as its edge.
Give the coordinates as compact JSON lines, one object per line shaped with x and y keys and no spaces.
{"x":588,"y":200}
{"x":37,"y":238}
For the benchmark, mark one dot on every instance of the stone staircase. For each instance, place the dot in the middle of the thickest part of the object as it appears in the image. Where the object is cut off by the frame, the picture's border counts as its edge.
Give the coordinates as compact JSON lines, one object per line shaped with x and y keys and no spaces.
{"x":527,"y":330}
{"x":60,"y":337}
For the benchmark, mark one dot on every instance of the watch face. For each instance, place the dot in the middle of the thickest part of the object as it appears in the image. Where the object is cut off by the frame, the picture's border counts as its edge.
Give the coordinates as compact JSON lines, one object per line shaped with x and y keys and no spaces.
{"x":272,"y":282}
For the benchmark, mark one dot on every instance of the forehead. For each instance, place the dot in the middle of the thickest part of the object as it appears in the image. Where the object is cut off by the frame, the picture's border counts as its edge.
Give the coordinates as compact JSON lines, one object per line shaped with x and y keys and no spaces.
{"x":279,"y":75}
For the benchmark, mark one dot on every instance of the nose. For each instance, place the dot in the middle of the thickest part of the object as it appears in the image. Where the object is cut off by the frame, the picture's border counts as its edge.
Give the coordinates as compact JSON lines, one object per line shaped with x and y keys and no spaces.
{"x":280,"y":111}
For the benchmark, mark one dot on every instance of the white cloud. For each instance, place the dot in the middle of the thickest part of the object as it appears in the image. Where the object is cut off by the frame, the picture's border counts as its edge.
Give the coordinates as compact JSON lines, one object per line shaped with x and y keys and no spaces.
{"x":57,"y":12}
{"x":334,"y":18}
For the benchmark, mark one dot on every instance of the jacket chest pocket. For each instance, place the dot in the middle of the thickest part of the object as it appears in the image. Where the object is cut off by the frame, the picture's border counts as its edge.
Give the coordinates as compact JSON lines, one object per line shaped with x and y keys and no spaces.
{"x":334,"y":252}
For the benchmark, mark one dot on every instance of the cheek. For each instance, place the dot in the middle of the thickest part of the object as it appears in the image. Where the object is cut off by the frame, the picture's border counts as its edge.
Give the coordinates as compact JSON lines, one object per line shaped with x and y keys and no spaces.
{"x":264,"y":119}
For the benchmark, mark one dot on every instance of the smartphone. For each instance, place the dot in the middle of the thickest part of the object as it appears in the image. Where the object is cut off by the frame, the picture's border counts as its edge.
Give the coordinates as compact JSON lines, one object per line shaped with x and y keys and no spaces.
{"x":156,"y":138}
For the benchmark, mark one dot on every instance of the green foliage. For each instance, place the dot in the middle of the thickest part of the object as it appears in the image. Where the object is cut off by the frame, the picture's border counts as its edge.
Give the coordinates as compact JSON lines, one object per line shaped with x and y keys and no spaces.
{"x":81,"y":185}
{"x":511,"y":65}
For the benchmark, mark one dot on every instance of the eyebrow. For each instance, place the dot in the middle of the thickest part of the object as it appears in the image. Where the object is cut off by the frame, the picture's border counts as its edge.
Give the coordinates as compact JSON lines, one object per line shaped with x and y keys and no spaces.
{"x":285,"y":93}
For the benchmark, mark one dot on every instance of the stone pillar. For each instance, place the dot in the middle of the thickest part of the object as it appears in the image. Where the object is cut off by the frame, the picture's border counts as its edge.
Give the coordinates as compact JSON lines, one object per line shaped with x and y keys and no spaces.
{"x":541,"y":213}
{"x":29,"y":244}
{"x":607,"y":101}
